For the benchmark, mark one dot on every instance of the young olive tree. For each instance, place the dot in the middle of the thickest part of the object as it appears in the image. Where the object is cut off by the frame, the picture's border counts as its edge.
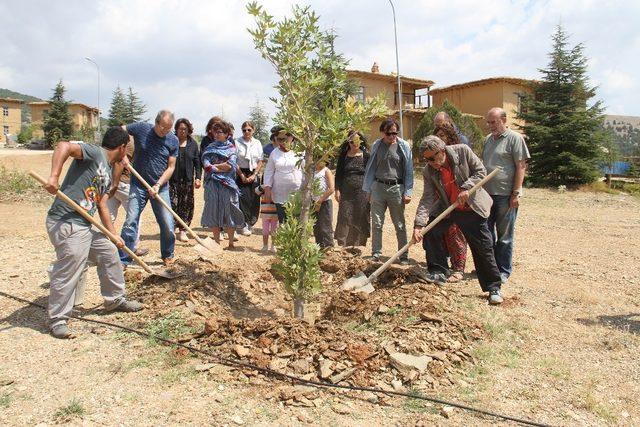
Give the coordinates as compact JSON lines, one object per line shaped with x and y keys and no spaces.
{"x":316,"y":105}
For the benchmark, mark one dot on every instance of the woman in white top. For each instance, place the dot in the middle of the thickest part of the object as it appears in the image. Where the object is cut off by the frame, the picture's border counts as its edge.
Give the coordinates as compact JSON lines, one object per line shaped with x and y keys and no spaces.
{"x":250,"y":161}
{"x":283,"y":173}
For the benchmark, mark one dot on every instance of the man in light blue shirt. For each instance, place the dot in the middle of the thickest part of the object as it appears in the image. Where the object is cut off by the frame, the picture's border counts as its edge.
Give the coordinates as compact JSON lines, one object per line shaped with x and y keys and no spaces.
{"x":388,"y":179}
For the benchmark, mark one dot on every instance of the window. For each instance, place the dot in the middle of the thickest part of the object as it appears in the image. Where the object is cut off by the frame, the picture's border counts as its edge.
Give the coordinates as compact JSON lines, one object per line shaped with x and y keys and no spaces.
{"x":5,"y":111}
{"x":360,"y":94}
{"x":5,"y":130}
{"x":407,"y":98}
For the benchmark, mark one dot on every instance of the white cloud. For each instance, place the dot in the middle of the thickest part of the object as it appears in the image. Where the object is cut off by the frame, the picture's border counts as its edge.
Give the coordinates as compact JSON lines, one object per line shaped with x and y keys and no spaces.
{"x":197,"y":58}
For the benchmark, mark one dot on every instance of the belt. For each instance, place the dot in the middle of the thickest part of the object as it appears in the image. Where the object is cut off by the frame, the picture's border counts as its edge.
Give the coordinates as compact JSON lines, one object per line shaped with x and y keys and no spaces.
{"x":389,"y":181}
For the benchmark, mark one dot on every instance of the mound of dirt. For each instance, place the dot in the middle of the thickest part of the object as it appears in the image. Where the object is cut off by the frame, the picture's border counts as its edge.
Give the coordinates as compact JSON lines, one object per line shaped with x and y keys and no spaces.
{"x":358,"y":339}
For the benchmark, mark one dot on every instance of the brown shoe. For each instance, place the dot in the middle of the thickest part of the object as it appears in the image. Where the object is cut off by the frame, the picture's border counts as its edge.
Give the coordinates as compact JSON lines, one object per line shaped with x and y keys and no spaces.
{"x":141,"y":251}
{"x":168,"y":261}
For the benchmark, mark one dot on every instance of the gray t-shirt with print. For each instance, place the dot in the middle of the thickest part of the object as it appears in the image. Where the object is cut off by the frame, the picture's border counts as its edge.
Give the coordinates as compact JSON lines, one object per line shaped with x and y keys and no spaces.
{"x":503,"y":151}
{"x":86,"y":181}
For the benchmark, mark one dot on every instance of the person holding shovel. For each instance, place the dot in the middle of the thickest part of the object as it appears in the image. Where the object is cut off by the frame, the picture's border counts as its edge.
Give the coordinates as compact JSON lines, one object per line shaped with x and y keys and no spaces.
{"x":156,"y":150}
{"x":88,"y":182}
{"x":450,"y":172}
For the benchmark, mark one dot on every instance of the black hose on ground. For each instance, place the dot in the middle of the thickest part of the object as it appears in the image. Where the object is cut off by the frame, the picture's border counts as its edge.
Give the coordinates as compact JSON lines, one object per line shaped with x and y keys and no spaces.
{"x":282,"y":376}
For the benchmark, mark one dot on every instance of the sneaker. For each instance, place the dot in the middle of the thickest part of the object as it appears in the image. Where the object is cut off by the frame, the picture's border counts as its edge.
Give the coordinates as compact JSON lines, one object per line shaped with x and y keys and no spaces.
{"x":437,"y":278}
{"x":265,"y":248}
{"x":273,"y":249}
{"x":246,"y":231}
{"x":141,"y":251}
{"x":128,"y":306}
{"x":61,"y":331}
{"x":503,"y":278}
{"x":183,"y":236}
{"x":402,"y":261}
{"x":375,"y":258}
{"x":168,"y":261}
{"x":495,"y":298}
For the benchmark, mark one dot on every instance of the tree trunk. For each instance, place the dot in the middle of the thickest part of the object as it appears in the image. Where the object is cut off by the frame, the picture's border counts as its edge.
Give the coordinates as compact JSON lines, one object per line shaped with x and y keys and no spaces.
{"x":298,"y":308}
{"x":309,"y":169}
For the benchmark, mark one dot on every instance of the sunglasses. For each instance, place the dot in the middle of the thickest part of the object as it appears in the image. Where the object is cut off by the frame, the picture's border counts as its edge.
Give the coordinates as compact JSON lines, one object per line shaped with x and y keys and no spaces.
{"x":431,"y":158}
{"x":391,"y":133}
{"x":247,"y":130}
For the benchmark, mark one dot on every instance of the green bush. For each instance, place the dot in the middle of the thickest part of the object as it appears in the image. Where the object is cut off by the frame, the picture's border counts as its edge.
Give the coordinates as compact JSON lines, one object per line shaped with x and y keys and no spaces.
{"x":298,"y":257}
{"x":466,"y":124}
{"x":25,"y":135}
{"x":15,"y":183}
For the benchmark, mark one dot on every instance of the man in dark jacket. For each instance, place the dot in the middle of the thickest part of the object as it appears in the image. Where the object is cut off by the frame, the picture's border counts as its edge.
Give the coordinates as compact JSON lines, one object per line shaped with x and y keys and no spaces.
{"x":450,"y":173}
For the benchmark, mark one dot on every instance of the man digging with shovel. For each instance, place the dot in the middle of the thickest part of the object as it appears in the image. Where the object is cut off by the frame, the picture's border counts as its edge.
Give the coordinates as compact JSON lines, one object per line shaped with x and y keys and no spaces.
{"x":450,"y":173}
{"x":87,"y":182}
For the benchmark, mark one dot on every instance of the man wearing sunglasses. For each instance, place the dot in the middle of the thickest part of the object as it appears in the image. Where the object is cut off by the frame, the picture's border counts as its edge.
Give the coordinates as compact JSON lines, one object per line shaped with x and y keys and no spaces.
{"x":388,"y":179}
{"x":451,"y":171}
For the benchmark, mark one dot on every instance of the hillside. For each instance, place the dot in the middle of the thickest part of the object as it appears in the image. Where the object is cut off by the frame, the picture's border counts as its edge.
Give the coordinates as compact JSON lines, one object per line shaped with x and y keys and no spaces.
{"x":26,"y":114}
{"x":622,"y":125}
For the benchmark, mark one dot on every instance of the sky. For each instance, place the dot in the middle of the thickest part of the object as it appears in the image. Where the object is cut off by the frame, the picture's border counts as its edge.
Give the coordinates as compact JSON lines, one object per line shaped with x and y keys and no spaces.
{"x":196,"y":58}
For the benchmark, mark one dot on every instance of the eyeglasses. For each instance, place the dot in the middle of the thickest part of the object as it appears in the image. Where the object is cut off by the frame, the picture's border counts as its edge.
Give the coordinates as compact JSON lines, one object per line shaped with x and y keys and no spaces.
{"x":391,"y":133}
{"x":247,"y":130}
{"x":431,"y":158}
{"x":218,"y":132}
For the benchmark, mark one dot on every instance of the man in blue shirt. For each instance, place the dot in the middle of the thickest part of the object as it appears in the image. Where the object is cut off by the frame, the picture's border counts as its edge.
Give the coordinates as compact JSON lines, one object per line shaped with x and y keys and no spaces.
{"x":156,"y":150}
{"x":388,"y":179}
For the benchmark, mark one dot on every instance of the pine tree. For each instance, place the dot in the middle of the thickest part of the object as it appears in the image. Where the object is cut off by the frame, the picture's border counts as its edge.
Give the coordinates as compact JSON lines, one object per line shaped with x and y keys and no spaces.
{"x":258,"y":116}
{"x":118,"y":110}
{"x":565,"y":135}
{"x":135,"y":109}
{"x":58,"y":124}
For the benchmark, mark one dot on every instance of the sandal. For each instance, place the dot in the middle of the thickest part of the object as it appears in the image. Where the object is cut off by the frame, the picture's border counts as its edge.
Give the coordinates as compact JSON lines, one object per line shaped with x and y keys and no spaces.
{"x":456,"y":276}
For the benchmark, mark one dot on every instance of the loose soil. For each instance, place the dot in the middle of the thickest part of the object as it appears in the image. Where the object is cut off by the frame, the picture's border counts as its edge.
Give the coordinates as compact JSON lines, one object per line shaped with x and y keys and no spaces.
{"x":561,"y":350}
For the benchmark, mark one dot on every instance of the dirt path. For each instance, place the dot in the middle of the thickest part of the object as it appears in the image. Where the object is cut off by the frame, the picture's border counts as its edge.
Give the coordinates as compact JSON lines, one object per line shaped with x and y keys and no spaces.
{"x":563,"y":350}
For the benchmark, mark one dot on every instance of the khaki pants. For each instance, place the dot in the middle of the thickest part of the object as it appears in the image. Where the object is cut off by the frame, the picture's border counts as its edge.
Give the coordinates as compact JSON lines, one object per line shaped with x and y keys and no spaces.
{"x":75,"y":245}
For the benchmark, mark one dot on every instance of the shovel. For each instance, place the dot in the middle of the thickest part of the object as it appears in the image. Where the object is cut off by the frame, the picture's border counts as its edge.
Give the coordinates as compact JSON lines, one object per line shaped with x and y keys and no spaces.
{"x":360,"y":282}
{"x":160,"y":273}
{"x":205,"y":246}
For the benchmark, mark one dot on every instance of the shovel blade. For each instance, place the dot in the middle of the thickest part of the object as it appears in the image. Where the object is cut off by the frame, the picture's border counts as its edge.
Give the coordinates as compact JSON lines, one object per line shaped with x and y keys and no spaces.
{"x":168,"y":274}
{"x":355,"y":282}
{"x":207,"y":246}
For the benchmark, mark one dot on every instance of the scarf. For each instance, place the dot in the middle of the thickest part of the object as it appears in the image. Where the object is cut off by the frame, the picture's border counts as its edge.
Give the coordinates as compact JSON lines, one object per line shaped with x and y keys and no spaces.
{"x":220,"y":152}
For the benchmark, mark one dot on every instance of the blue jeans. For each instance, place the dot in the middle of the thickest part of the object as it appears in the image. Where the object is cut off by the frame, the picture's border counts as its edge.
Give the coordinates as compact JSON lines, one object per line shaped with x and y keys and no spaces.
{"x":138,"y":197}
{"x":385,"y":196}
{"x":502,"y":221}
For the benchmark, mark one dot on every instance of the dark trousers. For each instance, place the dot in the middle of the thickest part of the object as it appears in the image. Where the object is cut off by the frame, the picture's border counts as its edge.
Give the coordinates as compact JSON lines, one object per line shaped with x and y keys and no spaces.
{"x":323,"y":228}
{"x":475,"y":230}
{"x":282,"y":214}
{"x":249,"y":200}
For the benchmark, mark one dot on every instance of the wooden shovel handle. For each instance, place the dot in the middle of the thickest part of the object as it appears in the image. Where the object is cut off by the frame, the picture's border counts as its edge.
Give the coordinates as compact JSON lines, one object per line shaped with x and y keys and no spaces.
{"x":93,"y":221}
{"x":167,"y":207}
{"x":426,"y":229}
